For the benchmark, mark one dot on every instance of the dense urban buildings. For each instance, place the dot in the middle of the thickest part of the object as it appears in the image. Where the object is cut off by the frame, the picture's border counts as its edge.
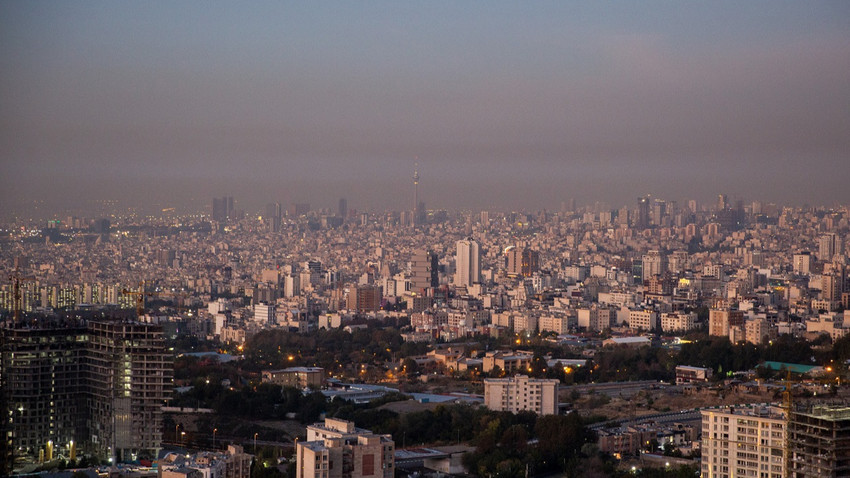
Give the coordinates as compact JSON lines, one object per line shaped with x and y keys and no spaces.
{"x":522,"y":296}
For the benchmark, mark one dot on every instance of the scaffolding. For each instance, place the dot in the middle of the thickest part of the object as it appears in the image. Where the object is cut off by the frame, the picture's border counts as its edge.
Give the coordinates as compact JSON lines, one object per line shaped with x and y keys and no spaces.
{"x":819,"y":439}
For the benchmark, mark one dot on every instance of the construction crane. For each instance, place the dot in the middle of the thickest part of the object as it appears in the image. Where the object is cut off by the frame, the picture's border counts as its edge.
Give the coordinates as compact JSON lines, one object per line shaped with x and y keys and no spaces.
{"x":140,"y":297}
{"x":16,"y":279}
{"x":787,"y":404}
{"x":142,"y":293}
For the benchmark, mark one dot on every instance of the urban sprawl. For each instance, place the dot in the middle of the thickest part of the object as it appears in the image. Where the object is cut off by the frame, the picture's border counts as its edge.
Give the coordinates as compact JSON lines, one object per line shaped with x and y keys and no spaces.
{"x":662,"y":338}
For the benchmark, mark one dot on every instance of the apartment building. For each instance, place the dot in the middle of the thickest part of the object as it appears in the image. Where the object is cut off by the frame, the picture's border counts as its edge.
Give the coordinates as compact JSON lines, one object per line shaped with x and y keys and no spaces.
{"x":746,"y":440}
{"x":337,"y":449}
{"x":521,"y":393}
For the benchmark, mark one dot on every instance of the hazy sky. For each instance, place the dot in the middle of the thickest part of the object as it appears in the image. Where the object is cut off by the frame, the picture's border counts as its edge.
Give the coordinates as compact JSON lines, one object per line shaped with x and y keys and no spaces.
{"x":506,"y":104}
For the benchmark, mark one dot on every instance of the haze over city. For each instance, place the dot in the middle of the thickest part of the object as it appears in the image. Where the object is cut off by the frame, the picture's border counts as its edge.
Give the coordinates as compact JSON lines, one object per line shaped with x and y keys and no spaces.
{"x":502,"y":104}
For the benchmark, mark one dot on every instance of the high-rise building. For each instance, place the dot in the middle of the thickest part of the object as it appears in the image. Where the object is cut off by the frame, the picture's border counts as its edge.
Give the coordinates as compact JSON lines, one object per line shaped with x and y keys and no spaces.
{"x":467,"y":263}
{"x":722,"y":202}
{"x":165,"y":257}
{"x":222,"y":208}
{"x":802,"y":262}
{"x":522,"y":261}
{"x":336,"y":449}
{"x":521,"y":393}
{"x":832,"y":284}
{"x":272,"y":217}
{"x":829,"y":245}
{"x":743,"y":441}
{"x":299,"y":209}
{"x":99,"y":385}
{"x":365,"y":298}
{"x":642,"y":221}
{"x":424,"y":271}
{"x":659,"y":212}
{"x":342,"y":210}
{"x":654,"y":264}
{"x":721,"y":321}
{"x":819,"y":439}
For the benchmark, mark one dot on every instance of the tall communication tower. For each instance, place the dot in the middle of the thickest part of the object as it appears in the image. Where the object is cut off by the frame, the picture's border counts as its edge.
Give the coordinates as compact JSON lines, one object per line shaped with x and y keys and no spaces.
{"x":415,"y":192}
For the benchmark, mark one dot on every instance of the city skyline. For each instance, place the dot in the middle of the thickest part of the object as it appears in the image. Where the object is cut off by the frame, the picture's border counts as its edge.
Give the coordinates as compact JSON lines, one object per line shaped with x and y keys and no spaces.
{"x":501,"y":105}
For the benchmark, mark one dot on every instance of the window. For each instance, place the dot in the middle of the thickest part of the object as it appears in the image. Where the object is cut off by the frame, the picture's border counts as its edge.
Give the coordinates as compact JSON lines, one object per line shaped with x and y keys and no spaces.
{"x":368,"y":465}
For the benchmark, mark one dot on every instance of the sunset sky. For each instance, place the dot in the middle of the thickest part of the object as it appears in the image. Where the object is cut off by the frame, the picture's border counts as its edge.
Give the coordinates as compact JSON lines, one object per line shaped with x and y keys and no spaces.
{"x":505,"y":104}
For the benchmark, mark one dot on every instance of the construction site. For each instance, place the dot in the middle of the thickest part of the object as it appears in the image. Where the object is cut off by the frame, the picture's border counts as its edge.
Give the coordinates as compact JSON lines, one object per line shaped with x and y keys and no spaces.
{"x":819,"y":439}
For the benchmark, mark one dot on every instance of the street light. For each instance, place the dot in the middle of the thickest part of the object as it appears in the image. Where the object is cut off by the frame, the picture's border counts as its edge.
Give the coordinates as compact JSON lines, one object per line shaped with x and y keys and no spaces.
{"x":255,"y":443}
{"x":177,"y":433}
{"x":183,"y":438}
{"x":214,"y":432}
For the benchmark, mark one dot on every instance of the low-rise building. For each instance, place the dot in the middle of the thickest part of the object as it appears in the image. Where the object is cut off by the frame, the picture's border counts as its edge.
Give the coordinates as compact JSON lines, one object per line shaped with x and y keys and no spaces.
{"x":688,"y":374}
{"x":298,"y":377}
{"x":337,"y":449}
{"x":507,"y":361}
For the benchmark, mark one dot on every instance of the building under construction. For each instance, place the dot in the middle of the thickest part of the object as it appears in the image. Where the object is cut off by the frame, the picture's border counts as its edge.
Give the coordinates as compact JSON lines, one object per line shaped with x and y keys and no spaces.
{"x":819,"y":439}
{"x":95,"y":386}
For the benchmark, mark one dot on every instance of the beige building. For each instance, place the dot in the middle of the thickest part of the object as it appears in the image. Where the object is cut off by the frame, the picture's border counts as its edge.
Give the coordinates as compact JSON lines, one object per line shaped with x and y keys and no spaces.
{"x":720,"y":321}
{"x":521,"y":393}
{"x":550,"y":323}
{"x":336,"y":449}
{"x":677,"y":322}
{"x":757,"y":331}
{"x":744,"y":440}
{"x":507,"y":361}
{"x":643,"y":319}
{"x":595,"y":318}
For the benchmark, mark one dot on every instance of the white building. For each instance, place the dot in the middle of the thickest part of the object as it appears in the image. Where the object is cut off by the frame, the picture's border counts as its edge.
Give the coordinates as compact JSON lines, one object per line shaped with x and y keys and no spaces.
{"x":744,"y":440}
{"x":467,"y":263}
{"x":264,"y":314}
{"x":672,"y":322}
{"x":643,"y":319}
{"x":521,"y":393}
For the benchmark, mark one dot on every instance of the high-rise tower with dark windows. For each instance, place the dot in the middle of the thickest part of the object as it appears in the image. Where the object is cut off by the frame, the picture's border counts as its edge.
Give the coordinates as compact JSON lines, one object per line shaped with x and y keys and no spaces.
{"x":96,"y":386}
{"x":642,"y":220}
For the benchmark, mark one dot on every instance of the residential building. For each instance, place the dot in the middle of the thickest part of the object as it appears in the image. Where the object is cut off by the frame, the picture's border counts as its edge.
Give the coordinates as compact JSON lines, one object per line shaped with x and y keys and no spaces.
{"x":521,"y":393}
{"x":424,"y":271}
{"x":746,"y":440}
{"x":672,"y":322}
{"x":643,"y":319}
{"x":720,"y":321}
{"x":507,"y":361}
{"x":688,"y":374}
{"x":337,"y":449}
{"x":467,"y":263}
